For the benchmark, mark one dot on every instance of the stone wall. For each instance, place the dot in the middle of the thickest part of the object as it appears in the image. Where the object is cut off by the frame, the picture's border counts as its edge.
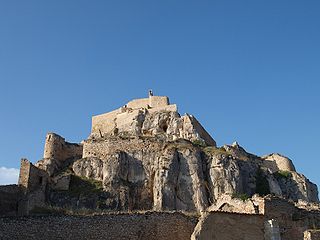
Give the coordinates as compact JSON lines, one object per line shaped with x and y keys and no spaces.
{"x":125,"y":118}
{"x":293,"y":221}
{"x":102,"y":148}
{"x":276,"y":162}
{"x":9,"y":198}
{"x":139,"y":103}
{"x":31,"y":178}
{"x":152,"y":101}
{"x":57,"y":148}
{"x":148,"y":226}
{"x":104,"y":122}
{"x":32,"y":182}
{"x":158,"y":101}
{"x":231,"y":226}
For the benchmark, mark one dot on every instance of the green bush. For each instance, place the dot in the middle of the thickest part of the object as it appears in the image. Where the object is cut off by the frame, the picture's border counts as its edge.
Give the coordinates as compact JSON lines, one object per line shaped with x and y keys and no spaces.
{"x":199,"y":143}
{"x":84,"y":186}
{"x":215,"y":150}
{"x":282,"y":174}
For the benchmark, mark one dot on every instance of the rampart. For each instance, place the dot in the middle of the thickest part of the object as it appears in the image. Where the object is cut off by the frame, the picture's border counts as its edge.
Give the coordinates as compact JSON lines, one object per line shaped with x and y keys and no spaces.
{"x":148,"y":226}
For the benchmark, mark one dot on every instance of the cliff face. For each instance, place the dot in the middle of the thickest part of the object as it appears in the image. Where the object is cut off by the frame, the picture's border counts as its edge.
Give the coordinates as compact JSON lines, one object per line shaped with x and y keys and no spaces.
{"x":151,"y":158}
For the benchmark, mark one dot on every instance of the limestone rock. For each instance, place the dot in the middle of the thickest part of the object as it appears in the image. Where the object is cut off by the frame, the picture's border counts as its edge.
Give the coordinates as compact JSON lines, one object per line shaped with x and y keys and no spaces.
{"x":88,"y":167}
{"x":61,"y":182}
{"x":150,"y":117}
{"x":296,"y":186}
{"x":146,"y":156}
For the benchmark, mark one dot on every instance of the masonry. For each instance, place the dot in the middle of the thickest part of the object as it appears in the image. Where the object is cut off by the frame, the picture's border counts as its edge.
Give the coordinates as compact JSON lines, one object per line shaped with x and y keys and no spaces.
{"x":9,"y":198}
{"x":151,"y":226}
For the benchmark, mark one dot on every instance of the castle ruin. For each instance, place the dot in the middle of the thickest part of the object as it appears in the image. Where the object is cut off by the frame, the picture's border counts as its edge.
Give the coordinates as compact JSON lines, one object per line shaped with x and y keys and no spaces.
{"x":145,"y":156}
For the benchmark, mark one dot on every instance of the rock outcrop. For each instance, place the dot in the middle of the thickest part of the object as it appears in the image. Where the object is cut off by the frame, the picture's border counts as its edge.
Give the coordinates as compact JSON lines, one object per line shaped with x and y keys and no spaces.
{"x":145,"y":156}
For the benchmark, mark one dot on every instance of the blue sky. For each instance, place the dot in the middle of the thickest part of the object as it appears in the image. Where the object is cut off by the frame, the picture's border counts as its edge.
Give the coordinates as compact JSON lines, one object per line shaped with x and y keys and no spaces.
{"x":248,"y":70}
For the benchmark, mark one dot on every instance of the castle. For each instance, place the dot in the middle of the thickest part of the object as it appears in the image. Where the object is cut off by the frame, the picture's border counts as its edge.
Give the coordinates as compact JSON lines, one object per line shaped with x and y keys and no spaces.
{"x":145,"y":156}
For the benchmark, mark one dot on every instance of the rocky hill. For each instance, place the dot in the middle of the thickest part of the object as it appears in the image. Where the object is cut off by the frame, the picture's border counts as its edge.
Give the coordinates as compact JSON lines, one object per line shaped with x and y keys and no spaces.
{"x":146,"y":156}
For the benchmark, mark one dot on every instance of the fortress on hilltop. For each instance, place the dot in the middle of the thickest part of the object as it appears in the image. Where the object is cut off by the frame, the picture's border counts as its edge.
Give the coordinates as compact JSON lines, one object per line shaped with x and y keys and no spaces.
{"x":150,"y":173}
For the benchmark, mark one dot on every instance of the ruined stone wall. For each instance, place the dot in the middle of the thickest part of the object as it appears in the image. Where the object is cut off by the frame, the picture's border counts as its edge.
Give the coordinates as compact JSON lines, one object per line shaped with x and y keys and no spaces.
{"x":292,"y":221}
{"x":32,"y":182}
{"x":278,"y":162}
{"x":31,"y":178}
{"x":57,"y":148}
{"x":24,"y":174}
{"x":9,"y":198}
{"x":124,"y":118}
{"x":149,"y":226}
{"x":101,"y":148}
{"x":231,"y":226}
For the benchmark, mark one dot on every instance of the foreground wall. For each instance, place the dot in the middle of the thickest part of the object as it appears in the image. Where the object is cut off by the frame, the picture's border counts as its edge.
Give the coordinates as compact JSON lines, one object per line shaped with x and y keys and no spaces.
{"x":229,"y":226}
{"x":149,"y":226}
{"x":9,"y":198}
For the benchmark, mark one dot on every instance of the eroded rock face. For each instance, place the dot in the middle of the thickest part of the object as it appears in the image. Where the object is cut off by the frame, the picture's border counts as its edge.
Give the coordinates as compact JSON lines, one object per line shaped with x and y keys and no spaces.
{"x":163,"y":124}
{"x":145,"y":155}
{"x":160,"y":175}
{"x":171,"y":178}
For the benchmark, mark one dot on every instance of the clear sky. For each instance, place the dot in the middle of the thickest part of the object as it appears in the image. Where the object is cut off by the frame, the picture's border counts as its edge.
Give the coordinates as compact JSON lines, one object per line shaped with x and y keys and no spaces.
{"x":248,"y":70}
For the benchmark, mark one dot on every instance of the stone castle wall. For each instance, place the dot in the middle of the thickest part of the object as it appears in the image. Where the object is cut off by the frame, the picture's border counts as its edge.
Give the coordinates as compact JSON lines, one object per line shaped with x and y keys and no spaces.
{"x":231,"y":226}
{"x":293,"y":221}
{"x":122,"y":119}
{"x":102,"y":148}
{"x":9,"y":198}
{"x":104,"y":122}
{"x":31,"y":178}
{"x":32,"y":182}
{"x":148,"y":226}
{"x":276,"y":162}
{"x":57,"y":148}
{"x":151,"y":102}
